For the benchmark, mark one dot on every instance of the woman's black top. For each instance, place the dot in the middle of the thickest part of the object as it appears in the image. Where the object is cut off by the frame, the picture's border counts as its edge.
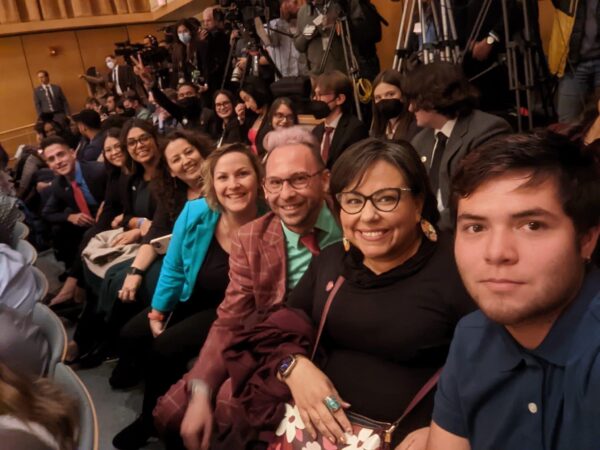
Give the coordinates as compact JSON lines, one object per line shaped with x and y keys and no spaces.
{"x":136,"y":197}
{"x":386,"y":334}
{"x":213,"y":277}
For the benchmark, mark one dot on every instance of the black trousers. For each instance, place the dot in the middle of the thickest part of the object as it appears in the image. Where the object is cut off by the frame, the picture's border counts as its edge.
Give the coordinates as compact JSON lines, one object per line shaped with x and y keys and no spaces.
{"x":165,"y":358}
{"x":66,"y":239}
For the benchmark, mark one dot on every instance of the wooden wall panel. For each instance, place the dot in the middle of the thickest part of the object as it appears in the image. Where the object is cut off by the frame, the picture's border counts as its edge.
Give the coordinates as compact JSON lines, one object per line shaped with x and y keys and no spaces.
{"x":95,"y":44}
{"x":137,"y":32}
{"x":16,"y":96}
{"x":63,"y":68}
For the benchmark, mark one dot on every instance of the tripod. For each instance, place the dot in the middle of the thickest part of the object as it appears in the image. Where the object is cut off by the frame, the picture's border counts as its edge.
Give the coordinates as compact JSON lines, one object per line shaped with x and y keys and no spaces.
{"x":342,"y":26}
{"x":442,"y":46}
{"x":527,"y":74}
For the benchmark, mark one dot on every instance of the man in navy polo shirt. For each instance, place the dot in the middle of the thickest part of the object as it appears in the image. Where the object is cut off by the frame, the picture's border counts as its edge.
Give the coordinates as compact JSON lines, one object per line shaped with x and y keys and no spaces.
{"x":524,"y":372}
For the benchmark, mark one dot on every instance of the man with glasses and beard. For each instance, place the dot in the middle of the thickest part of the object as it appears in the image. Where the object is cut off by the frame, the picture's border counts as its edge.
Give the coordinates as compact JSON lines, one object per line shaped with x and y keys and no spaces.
{"x":267,"y":259}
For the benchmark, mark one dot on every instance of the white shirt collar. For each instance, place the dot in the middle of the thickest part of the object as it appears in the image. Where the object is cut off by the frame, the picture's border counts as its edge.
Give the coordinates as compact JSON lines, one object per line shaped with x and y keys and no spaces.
{"x":447,"y":128}
{"x":334,"y":123}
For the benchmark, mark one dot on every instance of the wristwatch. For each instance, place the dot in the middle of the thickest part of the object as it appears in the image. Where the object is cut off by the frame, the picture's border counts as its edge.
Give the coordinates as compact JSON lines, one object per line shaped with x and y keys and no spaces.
{"x":135,"y":271}
{"x":286,"y":366}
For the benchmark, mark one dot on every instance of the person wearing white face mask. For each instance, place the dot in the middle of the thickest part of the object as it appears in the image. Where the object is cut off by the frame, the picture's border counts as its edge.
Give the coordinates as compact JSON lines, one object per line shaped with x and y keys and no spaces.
{"x":120,"y":76}
{"x":185,"y":55}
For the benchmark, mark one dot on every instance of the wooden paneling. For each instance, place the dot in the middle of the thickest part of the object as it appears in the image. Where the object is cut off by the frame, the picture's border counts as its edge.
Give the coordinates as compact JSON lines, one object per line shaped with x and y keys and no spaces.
{"x":16,"y":95}
{"x":137,"y":32}
{"x":95,"y":44}
{"x":63,"y":68}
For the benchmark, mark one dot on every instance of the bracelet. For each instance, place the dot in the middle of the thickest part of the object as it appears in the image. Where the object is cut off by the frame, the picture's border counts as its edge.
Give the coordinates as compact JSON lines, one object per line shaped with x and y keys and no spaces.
{"x":139,"y":222}
{"x":156,"y":315}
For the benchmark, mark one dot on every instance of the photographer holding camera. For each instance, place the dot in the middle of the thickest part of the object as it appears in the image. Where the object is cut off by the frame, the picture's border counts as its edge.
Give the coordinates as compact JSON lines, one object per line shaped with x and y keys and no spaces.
{"x":213,"y":47}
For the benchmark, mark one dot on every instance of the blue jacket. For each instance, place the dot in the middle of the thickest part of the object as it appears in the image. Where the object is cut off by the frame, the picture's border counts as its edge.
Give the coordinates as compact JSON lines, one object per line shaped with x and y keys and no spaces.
{"x":192,"y":234}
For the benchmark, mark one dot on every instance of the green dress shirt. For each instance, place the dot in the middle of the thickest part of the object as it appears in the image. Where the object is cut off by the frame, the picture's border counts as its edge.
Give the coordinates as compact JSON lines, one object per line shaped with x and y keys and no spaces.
{"x":298,"y":256}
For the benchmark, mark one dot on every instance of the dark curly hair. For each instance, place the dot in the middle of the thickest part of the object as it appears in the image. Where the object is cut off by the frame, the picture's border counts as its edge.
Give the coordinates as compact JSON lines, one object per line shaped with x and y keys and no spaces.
{"x":441,"y":87}
{"x":171,"y":189}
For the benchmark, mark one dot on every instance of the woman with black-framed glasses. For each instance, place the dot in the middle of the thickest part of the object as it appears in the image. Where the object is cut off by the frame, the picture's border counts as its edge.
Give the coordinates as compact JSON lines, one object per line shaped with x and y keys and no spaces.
{"x":389,"y":327}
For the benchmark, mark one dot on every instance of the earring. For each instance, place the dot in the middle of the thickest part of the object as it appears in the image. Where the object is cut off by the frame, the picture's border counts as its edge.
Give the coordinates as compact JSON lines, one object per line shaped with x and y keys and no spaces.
{"x":428,"y":230}
{"x":346,"y":244}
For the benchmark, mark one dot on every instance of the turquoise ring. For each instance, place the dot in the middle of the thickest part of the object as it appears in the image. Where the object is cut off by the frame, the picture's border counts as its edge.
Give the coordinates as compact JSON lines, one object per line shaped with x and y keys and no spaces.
{"x":332,"y":404}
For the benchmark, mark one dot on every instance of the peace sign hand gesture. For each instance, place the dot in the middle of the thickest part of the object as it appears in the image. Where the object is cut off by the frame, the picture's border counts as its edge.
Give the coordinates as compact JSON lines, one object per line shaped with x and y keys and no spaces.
{"x":142,"y":71}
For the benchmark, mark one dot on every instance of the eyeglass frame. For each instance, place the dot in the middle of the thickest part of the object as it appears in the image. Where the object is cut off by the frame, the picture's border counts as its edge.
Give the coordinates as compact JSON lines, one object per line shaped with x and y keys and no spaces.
{"x":370,"y":198}
{"x":288,"y":180}
{"x":132,"y":143}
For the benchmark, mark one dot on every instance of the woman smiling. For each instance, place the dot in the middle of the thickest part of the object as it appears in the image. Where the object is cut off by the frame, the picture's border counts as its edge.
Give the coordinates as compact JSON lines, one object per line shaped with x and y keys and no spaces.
{"x":192,"y":280}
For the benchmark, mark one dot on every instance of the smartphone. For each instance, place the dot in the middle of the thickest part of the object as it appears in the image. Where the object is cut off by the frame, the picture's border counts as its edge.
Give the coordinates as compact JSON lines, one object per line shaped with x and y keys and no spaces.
{"x":161,"y":244}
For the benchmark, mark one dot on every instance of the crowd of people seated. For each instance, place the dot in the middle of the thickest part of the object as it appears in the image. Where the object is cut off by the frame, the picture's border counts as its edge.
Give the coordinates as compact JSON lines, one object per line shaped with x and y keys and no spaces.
{"x":282,"y":282}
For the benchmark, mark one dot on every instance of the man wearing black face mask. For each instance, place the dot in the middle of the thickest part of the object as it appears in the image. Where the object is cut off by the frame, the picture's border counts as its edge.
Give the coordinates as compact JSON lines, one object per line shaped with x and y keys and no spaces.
{"x":188,"y":110}
{"x":391,"y":118}
{"x":341,"y":127}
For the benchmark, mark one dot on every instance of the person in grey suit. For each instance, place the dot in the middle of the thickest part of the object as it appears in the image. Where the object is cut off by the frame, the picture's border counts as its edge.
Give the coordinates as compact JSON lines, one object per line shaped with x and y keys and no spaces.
{"x":314,"y":25}
{"x":49,"y":98}
{"x":443,"y":102}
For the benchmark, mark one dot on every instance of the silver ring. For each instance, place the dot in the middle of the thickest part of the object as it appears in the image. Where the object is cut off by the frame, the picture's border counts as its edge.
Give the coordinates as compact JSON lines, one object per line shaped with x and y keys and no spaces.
{"x":332,"y":403}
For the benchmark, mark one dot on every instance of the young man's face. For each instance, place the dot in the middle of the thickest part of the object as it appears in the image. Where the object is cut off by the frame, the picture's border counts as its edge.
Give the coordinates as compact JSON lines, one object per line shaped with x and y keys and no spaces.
{"x":517,"y":251}
{"x":60,"y":159}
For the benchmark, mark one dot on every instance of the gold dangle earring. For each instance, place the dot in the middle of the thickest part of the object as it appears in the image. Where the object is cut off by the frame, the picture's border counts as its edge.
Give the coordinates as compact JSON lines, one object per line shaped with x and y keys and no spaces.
{"x":346,"y":244}
{"x":428,"y":230}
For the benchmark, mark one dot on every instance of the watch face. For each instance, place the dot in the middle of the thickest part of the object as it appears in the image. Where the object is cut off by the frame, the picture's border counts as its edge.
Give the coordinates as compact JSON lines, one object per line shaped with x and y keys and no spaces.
{"x":285,"y":364}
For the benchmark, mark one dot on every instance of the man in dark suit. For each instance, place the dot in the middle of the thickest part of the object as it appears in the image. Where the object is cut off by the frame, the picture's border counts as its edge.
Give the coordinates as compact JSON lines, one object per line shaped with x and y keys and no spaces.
{"x":443,"y":103}
{"x":75,"y":196}
{"x":49,"y":98}
{"x":88,"y":124}
{"x":267,"y":258}
{"x":120,"y":76}
{"x":341,"y":127}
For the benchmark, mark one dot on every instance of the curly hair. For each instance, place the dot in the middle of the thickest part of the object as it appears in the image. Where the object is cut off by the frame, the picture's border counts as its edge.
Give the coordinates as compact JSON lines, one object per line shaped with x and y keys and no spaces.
{"x":41,"y":402}
{"x":440,"y":86}
{"x":172,"y":189}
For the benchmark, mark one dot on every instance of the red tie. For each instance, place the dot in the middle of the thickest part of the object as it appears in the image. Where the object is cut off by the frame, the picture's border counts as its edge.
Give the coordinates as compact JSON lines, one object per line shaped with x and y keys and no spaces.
{"x":80,"y":199}
{"x":326,"y":143}
{"x":311,"y":243}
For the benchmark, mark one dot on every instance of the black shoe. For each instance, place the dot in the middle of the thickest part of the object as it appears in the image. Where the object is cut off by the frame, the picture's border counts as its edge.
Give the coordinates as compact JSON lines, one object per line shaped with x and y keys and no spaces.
{"x":125,"y":375}
{"x":134,"y":435}
{"x":94,"y":357}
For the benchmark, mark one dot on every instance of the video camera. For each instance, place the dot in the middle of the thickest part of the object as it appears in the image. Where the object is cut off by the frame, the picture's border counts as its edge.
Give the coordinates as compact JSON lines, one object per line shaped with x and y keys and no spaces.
{"x":152,"y":56}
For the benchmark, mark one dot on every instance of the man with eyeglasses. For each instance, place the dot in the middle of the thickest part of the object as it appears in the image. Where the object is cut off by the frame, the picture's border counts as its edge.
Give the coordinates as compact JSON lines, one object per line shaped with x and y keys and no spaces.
{"x":267,"y":258}
{"x":341,"y":127}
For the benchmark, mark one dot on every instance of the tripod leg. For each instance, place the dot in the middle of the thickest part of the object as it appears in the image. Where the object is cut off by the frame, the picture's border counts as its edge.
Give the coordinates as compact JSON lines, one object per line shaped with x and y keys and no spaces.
{"x":327,"y":50}
{"x":350,"y":61}
{"x":511,"y":60}
{"x":453,"y":34}
{"x":400,"y":40}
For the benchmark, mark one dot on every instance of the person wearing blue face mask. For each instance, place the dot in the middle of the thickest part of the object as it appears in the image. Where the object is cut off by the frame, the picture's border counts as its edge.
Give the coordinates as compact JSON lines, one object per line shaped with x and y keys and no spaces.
{"x":186,"y":52}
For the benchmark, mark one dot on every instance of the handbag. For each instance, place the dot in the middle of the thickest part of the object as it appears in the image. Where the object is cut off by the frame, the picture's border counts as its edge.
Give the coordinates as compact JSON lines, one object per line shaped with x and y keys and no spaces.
{"x":367,"y":434}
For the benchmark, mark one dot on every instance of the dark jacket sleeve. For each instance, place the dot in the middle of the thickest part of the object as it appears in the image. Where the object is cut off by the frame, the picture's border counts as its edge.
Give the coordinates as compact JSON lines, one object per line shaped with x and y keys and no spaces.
{"x":161,"y":223}
{"x":113,"y":205}
{"x":171,"y":107}
{"x":56,"y":210}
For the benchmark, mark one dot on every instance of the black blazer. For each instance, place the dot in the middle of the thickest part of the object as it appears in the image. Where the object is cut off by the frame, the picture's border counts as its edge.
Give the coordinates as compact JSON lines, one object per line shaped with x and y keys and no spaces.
{"x":348,"y":131}
{"x":61,"y":202}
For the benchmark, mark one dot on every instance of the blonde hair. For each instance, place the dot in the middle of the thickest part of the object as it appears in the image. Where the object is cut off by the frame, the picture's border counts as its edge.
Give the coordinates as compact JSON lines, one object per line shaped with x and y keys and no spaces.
{"x":42,"y":402}
{"x":208,"y":170}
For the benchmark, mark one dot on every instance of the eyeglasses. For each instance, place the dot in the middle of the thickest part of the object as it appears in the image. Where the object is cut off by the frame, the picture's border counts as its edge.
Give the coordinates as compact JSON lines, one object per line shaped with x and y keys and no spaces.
{"x":222,"y":105}
{"x":384,"y":200}
{"x":286,"y":117}
{"x":299,"y":180}
{"x":114,"y":148}
{"x":143,"y":139}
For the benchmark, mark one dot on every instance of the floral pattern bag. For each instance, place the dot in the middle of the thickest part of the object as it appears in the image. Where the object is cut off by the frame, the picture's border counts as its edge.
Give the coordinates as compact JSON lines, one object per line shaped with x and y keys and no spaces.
{"x":367,"y":434}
